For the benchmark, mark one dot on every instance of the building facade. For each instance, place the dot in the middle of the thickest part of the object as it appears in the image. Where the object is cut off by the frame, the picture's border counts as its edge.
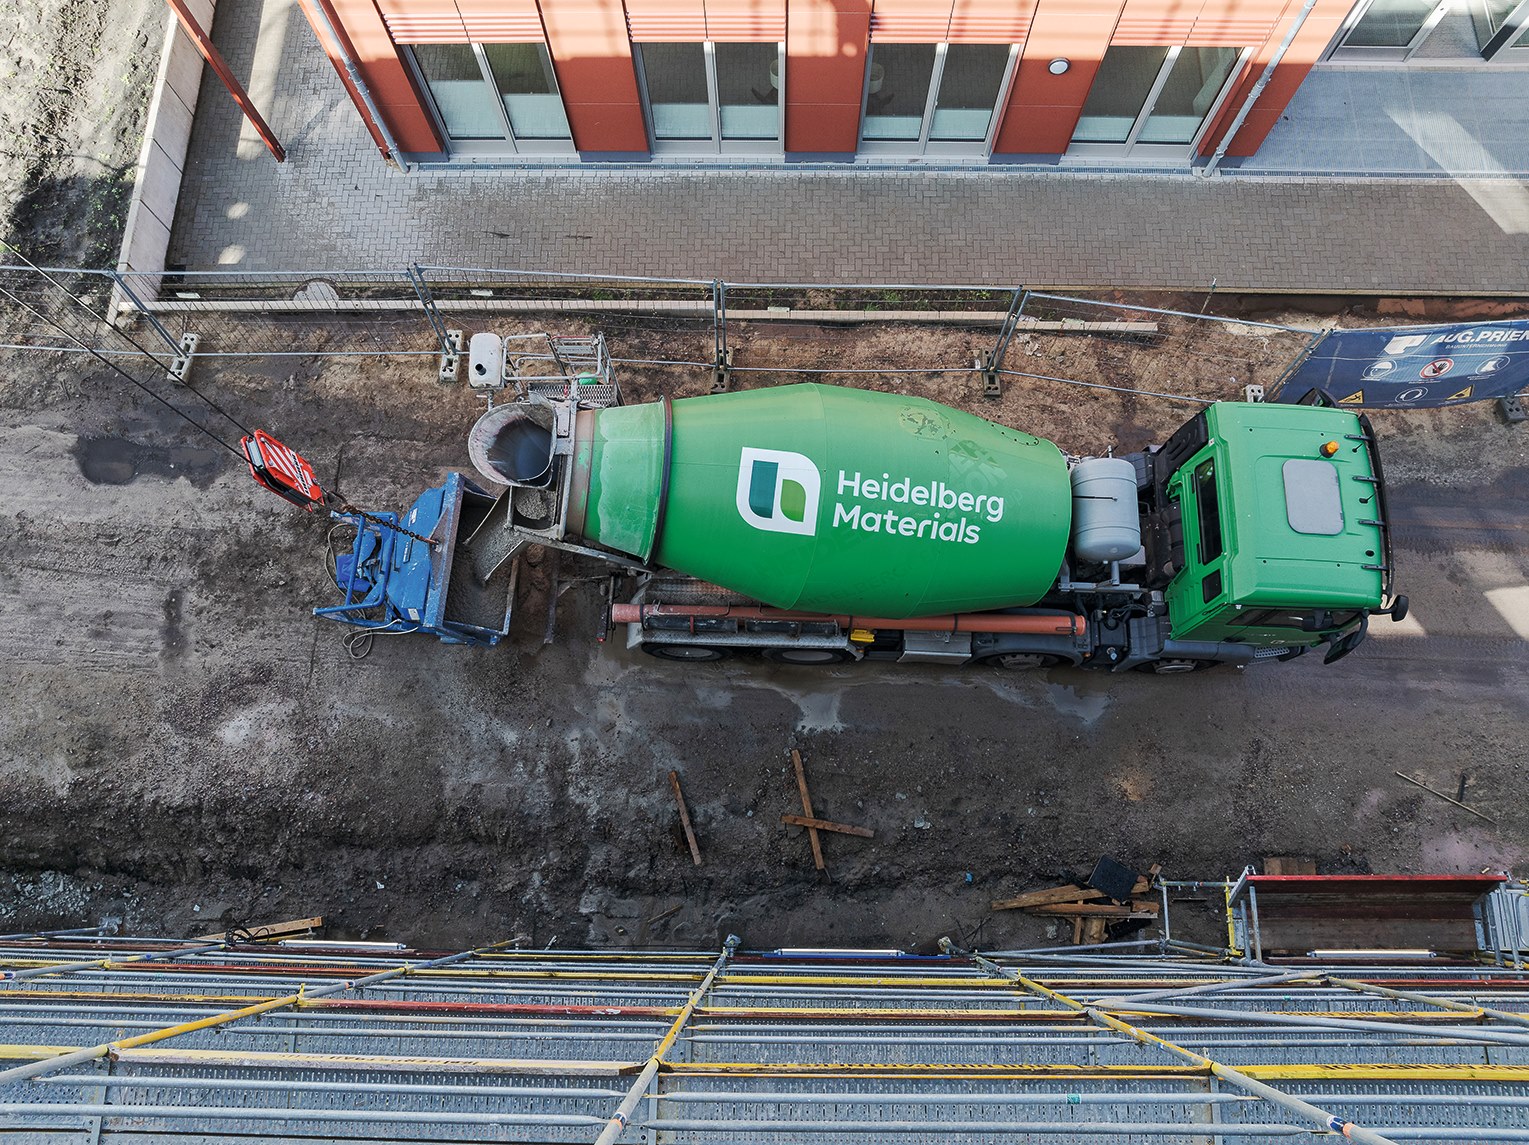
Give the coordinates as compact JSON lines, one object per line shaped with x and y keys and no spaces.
{"x":1125,"y":82}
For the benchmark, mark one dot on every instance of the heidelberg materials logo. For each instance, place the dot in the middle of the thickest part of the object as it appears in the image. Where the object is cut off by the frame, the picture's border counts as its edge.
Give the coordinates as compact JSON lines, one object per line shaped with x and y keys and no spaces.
{"x":778,"y":491}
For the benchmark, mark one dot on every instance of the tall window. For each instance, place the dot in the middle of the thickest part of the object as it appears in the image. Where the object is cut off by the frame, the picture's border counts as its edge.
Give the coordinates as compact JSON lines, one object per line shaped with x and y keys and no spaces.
{"x":1153,"y":95}
{"x":712,"y":97}
{"x":1391,"y":29}
{"x":945,"y":95}
{"x":1500,"y":24}
{"x":495,"y":98}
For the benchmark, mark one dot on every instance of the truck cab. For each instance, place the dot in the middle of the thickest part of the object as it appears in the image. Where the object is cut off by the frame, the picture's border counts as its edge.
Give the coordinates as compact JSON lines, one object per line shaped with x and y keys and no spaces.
{"x":1280,"y":538}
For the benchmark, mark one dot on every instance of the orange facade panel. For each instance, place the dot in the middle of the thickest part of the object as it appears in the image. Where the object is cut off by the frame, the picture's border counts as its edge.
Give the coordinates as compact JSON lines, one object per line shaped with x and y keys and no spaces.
{"x":372,"y":47}
{"x":673,"y":21}
{"x":1315,"y":33}
{"x":423,"y":21}
{"x":826,"y":46}
{"x":1151,"y":22}
{"x":501,"y":21}
{"x":990,"y":21}
{"x":593,"y":60}
{"x":1043,"y":108}
{"x":910,"y":21}
{"x":746,"y":21}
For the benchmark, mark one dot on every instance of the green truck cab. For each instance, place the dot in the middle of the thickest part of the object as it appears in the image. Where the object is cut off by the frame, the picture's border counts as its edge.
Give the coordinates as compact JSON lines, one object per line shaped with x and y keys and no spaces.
{"x":1281,"y":537}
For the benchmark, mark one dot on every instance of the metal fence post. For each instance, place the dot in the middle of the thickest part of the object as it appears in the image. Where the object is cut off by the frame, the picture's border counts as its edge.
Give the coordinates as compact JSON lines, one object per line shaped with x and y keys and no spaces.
{"x":1310,"y":348}
{"x":992,"y":387}
{"x":722,"y":359}
{"x":128,"y":293}
{"x":427,"y":304}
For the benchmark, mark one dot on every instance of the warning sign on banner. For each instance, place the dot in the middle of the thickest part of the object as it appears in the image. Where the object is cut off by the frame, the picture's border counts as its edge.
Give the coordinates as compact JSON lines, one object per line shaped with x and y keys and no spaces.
{"x":1413,"y":366}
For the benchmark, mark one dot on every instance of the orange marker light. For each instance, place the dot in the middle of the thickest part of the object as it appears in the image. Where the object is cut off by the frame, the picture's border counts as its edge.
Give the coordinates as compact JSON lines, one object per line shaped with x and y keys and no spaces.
{"x":1329,"y":448}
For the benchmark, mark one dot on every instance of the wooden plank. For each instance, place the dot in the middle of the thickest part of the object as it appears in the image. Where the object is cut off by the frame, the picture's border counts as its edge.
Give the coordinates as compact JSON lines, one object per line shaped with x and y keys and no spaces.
{"x":801,"y":785}
{"x":1289,"y":865}
{"x":1093,"y":930}
{"x":1069,"y":893}
{"x":270,"y":930}
{"x":679,"y":797}
{"x":827,"y":825}
{"x":1133,"y":909}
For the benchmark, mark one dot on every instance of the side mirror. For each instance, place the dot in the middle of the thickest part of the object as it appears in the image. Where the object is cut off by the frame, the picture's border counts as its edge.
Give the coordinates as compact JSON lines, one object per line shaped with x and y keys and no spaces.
{"x":1398,"y":609}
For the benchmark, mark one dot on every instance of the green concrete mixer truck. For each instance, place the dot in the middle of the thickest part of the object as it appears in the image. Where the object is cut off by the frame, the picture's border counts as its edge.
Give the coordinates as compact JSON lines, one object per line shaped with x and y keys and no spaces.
{"x":814,"y":524}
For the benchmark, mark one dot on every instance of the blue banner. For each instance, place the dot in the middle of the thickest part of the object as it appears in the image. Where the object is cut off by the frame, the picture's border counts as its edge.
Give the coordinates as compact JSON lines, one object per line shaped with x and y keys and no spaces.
{"x":1408,"y":367}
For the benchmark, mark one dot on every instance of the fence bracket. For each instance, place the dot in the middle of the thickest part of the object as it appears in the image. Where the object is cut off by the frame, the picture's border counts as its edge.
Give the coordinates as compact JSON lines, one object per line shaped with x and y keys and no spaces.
{"x":185,"y":352}
{"x":992,"y":382}
{"x":722,"y":376}
{"x":451,"y":358}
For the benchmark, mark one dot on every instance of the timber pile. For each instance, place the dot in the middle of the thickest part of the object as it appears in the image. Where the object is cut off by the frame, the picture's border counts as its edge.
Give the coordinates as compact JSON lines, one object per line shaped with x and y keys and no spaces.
{"x":1092,"y":910}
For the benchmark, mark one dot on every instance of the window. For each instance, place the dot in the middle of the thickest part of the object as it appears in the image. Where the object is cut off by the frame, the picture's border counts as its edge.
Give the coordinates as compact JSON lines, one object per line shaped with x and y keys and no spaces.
{"x":1499,"y":24}
{"x":970,"y":84}
{"x":939,"y":97}
{"x":464,"y":101}
{"x":1153,"y":95}
{"x":523,"y":75}
{"x":1390,"y":29}
{"x":706,"y":97}
{"x":495,"y":98}
{"x":1209,"y":511}
{"x":748,"y":90}
{"x":897,"y":91}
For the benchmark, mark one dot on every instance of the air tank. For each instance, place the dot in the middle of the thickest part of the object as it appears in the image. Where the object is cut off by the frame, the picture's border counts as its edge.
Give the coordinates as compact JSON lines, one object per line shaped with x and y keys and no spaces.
{"x":1106,"y":524}
{"x":827,"y":499}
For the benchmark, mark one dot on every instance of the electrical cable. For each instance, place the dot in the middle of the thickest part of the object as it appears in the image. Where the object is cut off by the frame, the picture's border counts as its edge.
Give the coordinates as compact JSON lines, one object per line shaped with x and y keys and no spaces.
{"x":235,"y":450}
{"x":131,"y":341}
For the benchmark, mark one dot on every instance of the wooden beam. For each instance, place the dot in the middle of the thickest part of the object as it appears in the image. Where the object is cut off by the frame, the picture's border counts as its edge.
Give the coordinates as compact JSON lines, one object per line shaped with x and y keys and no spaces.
{"x":801,"y":785}
{"x":679,"y":797}
{"x":215,"y":60}
{"x":827,"y":825}
{"x":1070,"y":893}
{"x":270,"y":931}
{"x":1133,"y":909}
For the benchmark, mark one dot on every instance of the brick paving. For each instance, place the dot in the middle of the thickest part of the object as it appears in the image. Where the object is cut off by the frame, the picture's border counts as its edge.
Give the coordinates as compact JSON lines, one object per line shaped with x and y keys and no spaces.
{"x":335,"y":205}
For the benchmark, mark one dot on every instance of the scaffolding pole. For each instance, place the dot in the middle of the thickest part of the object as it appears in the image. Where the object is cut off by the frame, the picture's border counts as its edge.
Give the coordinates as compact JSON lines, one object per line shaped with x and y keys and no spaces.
{"x":619,"y":1120}
{"x":1242,"y":1081}
{"x":92,"y":1053}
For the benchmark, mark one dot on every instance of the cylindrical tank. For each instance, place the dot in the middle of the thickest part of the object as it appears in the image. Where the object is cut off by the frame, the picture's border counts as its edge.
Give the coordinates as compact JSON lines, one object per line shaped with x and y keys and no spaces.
{"x":827,"y":499}
{"x":1106,"y":525}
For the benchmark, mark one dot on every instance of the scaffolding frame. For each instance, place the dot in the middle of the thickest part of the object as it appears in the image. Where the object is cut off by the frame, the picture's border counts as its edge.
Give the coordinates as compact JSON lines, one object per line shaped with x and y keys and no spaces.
{"x":218,"y":1040}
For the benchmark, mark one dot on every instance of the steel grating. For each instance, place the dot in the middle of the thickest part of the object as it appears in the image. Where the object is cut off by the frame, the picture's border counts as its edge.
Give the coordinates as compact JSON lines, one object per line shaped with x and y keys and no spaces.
{"x":301,"y":1042}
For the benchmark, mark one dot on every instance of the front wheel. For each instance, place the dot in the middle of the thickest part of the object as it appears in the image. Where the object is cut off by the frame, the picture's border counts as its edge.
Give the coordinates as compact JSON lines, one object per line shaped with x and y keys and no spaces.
{"x":686,"y":653}
{"x":807,"y":657}
{"x":1176,"y":667}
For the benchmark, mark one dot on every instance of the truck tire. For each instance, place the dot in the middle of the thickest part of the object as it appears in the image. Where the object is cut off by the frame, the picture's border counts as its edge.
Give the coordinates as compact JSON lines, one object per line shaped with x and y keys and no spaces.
{"x":807,"y":657}
{"x":1174,"y":667}
{"x":687,"y":653}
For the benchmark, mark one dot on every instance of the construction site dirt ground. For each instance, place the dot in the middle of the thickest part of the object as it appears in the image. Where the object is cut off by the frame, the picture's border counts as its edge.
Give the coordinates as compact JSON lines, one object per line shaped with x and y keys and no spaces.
{"x":183,"y":746}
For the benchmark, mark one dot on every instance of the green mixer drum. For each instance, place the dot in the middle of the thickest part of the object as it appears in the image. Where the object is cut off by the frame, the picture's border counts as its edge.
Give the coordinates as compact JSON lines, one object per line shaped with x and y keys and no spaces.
{"x":832,"y":500}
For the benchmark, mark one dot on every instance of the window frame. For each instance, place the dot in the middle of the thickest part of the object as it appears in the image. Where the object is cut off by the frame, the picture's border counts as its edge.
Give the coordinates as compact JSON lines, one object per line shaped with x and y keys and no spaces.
{"x":924,"y":145}
{"x":492,"y":147}
{"x":1342,"y":52}
{"x":1132,"y":148}
{"x":716,"y":145}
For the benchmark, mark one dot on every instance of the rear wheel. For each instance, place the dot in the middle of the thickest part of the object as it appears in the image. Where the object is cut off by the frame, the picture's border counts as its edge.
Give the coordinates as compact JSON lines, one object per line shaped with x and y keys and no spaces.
{"x":807,"y":657}
{"x":686,"y":653}
{"x":1021,"y":661}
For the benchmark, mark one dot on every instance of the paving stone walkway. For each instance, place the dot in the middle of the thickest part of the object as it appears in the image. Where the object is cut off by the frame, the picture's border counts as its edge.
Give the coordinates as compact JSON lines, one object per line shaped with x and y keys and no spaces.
{"x":335,"y":205}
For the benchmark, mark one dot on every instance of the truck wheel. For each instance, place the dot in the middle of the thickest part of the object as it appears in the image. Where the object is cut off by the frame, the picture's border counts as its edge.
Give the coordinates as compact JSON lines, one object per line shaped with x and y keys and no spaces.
{"x":1021,"y":661}
{"x":686,"y":653}
{"x":1175,"y":667}
{"x":807,"y":657}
